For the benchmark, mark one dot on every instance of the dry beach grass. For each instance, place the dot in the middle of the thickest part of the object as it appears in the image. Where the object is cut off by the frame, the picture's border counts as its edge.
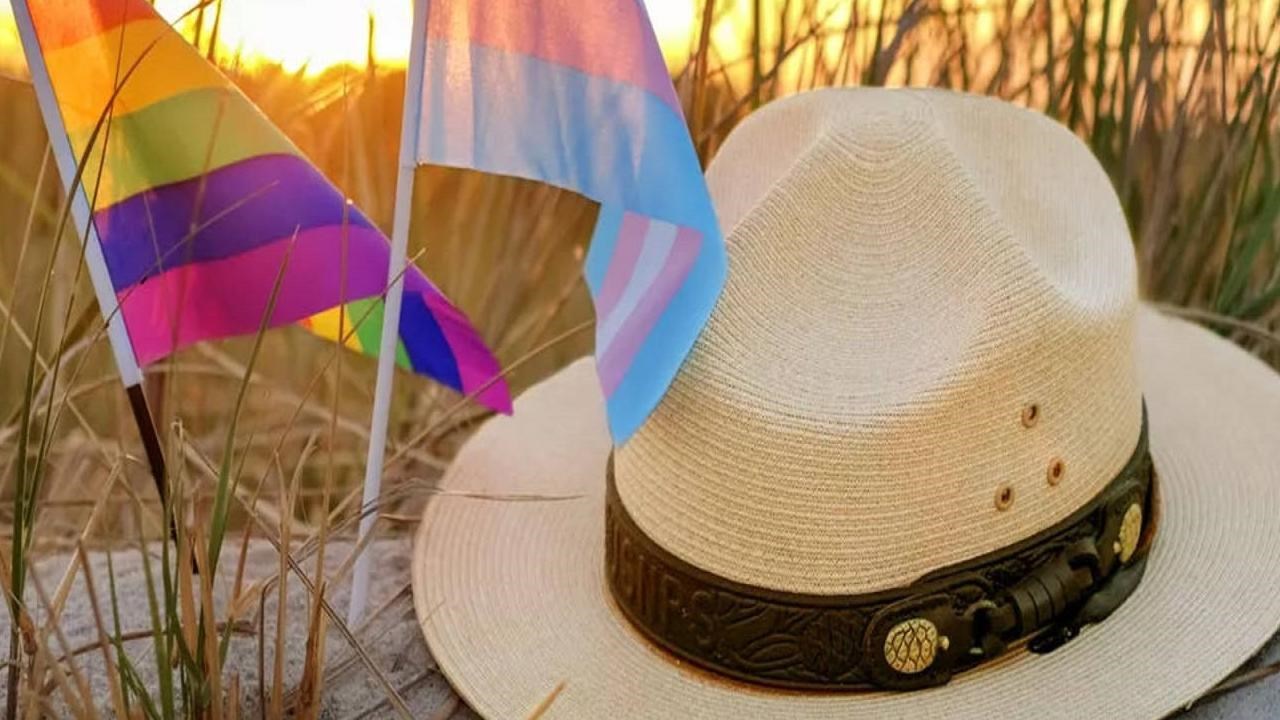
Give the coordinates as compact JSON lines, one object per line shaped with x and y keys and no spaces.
{"x":266,"y":436}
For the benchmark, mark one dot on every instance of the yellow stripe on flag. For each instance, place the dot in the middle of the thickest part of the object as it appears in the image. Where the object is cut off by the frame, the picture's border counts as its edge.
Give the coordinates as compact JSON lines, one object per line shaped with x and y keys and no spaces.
{"x":85,"y":74}
{"x":326,"y":325}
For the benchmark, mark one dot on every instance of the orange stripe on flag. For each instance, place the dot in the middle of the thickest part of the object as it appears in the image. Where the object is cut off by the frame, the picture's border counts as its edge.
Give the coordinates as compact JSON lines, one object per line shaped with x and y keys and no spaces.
{"x":60,"y":23}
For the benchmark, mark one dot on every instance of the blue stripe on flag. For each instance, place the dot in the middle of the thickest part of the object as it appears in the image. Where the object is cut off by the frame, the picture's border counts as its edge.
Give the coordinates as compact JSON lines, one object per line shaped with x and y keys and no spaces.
{"x":614,"y":143}
{"x":425,"y":343}
{"x":604,"y":240}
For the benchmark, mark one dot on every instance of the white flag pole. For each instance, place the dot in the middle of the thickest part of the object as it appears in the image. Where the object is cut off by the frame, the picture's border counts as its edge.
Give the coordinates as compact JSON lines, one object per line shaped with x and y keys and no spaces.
{"x":391,"y":317}
{"x":81,"y":214}
{"x":130,"y":373}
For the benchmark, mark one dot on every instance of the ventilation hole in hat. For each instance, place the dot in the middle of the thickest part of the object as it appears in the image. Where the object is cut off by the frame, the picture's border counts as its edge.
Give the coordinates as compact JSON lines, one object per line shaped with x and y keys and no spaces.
{"x":1004,"y":497}
{"x":1030,"y":414}
{"x":1056,"y":470}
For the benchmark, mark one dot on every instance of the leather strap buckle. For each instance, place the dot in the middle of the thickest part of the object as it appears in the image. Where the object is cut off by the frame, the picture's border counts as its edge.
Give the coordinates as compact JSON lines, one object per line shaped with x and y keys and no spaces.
{"x":926,"y":640}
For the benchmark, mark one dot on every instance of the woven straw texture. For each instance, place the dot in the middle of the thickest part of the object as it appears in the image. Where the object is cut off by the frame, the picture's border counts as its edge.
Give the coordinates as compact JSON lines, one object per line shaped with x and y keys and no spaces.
{"x":512,"y":596}
{"x":930,"y":347}
{"x":909,"y":271}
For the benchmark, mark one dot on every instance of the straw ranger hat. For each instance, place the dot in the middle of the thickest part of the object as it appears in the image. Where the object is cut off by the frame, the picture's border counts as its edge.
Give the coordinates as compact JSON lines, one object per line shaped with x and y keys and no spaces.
{"x":931,"y":457}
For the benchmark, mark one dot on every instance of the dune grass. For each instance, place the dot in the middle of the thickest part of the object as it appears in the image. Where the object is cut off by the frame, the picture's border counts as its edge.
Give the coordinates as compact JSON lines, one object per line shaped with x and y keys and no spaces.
{"x":265,"y":436}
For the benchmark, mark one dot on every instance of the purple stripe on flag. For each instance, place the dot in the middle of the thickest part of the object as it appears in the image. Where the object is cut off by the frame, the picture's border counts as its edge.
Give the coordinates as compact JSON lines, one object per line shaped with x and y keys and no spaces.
{"x":613,"y":365}
{"x":237,"y":208}
{"x":611,"y":40}
{"x":623,"y":264}
{"x":475,"y":365}
{"x":228,"y":297}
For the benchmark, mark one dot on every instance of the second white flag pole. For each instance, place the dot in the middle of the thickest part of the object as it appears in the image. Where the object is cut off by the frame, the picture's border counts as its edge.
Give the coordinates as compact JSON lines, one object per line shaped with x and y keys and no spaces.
{"x":391,"y":316}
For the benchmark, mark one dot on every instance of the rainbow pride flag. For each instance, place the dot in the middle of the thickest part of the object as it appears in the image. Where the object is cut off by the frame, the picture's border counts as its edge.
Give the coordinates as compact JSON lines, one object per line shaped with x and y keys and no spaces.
{"x":575,"y":93}
{"x":198,"y":200}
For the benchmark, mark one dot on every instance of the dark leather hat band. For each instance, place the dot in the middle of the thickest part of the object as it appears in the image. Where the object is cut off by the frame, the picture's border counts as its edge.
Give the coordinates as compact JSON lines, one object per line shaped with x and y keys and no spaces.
{"x":1041,"y":590}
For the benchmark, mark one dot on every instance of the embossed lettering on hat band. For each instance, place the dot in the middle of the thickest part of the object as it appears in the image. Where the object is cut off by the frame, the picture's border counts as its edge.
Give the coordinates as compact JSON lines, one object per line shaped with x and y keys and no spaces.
{"x":1042,"y":590}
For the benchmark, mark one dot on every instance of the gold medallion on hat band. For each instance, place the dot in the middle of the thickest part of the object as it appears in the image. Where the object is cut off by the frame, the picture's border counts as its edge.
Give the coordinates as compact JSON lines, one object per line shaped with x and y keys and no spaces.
{"x":1041,"y":591}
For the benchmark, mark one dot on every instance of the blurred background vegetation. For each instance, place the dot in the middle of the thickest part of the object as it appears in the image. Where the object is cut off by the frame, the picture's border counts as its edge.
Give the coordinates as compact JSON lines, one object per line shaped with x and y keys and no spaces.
{"x":1176,"y":98}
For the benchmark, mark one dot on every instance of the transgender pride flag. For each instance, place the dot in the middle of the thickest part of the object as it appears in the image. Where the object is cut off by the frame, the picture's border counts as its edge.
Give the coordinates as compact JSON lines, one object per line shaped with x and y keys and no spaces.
{"x":575,"y":93}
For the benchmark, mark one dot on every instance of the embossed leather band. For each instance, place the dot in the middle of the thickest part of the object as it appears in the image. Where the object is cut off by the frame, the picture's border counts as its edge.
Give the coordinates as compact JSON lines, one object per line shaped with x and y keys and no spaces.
{"x":1042,"y":590}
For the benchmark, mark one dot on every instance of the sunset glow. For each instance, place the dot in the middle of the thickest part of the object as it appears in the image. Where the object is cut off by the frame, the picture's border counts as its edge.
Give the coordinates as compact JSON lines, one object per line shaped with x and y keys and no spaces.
{"x":318,"y":34}
{"x":312,"y":36}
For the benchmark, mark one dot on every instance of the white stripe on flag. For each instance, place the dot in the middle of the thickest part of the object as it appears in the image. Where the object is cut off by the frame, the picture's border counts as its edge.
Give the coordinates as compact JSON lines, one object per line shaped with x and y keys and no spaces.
{"x":658,"y":242}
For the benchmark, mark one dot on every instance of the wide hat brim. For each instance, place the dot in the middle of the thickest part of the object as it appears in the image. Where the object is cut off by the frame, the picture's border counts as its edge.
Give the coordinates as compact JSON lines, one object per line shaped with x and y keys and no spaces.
{"x":508,"y":572}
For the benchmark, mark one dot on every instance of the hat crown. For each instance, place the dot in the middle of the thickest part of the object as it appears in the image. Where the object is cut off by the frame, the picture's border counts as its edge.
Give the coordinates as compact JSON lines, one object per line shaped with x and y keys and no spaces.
{"x":924,"y":349}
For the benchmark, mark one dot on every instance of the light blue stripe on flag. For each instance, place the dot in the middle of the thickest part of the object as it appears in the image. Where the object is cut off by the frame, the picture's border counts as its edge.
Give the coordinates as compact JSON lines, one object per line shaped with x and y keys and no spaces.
{"x":533,"y":119}
{"x":604,"y":241}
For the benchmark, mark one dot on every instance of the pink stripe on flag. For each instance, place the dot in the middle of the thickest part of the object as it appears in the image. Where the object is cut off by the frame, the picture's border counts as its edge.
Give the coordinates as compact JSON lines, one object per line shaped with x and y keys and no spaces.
{"x":630,"y":241}
{"x":475,"y":365}
{"x":635,"y":330}
{"x":227,"y":297}
{"x":608,"y":39}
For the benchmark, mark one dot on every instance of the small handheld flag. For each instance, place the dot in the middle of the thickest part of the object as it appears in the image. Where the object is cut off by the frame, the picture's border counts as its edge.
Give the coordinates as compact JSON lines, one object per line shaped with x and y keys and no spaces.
{"x":575,"y":93}
{"x":197,"y":199}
